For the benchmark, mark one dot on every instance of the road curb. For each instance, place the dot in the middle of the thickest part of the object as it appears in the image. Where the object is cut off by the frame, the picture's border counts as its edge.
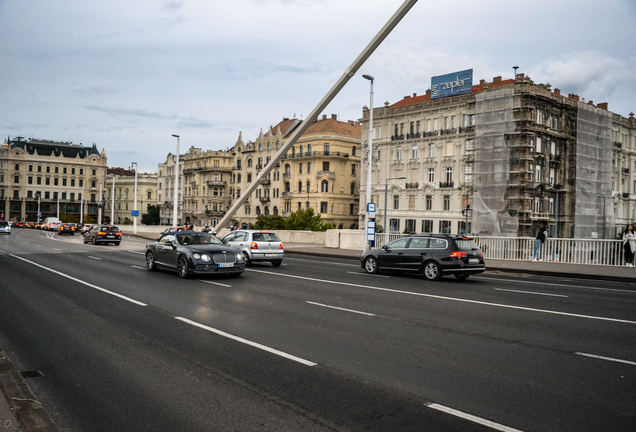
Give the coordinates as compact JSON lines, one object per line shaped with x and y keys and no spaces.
{"x":30,"y":414}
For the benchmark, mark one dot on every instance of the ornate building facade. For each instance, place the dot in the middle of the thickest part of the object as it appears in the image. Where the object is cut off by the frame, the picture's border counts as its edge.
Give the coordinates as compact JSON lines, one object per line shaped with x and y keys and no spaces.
{"x":59,"y":178}
{"x":503,"y":159}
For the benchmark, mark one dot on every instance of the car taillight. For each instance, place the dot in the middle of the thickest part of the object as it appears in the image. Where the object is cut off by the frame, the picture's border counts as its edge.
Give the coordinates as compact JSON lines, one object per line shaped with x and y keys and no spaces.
{"x":118,"y":234}
{"x":459,"y":255}
{"x":254,"y":245}
{"x":101,"y":233}
{"x":281,"y":245}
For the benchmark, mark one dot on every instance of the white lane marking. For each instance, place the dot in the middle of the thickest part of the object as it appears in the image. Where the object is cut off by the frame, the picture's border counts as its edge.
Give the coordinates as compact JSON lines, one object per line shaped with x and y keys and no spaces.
{"x":323,"y":262}
{"x":95,"y":258}
{"x":1,"y":251}
{"x":555,"y":284}
{"x":216,"y":283}
{"x":140,"y":268}
{"x":247,"y":342}
{"x":450,"y":298}
{"x":368,"y":274}
{"x":57,"y":249}
{"x":81,"y":281}
{"x":136,"y":252}
{"x":472,"y":418}
{"x":530,"y":292}
{"x":339,"y":308}
{"x":606,"y":358}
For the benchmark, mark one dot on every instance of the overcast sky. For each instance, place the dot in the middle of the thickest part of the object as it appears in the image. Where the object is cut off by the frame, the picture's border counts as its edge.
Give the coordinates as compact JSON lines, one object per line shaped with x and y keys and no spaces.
{"x":126,"y":75}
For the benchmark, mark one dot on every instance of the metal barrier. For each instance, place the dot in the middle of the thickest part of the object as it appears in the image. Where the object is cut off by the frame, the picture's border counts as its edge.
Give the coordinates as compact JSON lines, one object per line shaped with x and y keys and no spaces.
{"x":571,"y":251}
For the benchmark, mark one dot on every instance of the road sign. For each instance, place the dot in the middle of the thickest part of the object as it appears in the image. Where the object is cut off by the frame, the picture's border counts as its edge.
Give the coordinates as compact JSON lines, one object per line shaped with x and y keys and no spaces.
{"x":134,"y":213}
{"x":371,"y":207}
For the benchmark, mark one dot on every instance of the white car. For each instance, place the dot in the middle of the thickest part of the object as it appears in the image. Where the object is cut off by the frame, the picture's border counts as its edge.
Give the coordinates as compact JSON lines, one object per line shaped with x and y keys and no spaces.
{"x":257,"y":246}
{"x":5,"y":227}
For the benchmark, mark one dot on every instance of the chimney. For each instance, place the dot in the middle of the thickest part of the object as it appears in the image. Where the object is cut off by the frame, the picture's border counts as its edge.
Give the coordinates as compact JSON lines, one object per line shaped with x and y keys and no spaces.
{"x":496,"y":79}
{"x":428,"y":92}
{"x":414,"y":94}
{"x":573,"y":97}
{"x":334,"y":116}
{"x":482,"y":82}
{"x":603,"y":106}
{"x":557,"y":92}
{"x":324,"y":116}
{"x":590,"y":102}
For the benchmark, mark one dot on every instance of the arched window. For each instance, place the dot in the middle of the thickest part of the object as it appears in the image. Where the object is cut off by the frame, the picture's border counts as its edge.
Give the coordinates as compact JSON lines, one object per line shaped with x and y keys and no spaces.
{"x":249,"y":162}
{"x":269,"y":146}
{"x":277,"y":145}
{"x":275,"y":210}
{"x":260,"y":147}
{"x":308,"y":186}
{"x":353,"y":188}
{"x":287,"y":169}
{"x":238,"y":178}
{"x":324,"y":186}
{"x":266,"y":211}
{"x":300,"y":186}
{"x":258,"y":210}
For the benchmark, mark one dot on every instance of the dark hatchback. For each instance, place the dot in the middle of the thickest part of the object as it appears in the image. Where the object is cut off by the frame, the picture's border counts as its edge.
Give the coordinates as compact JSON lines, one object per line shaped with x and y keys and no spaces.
{"x":190,"y":252}
{"x":433,"y":255}
{"x":66,"y":228}
{"x":103,"y":234}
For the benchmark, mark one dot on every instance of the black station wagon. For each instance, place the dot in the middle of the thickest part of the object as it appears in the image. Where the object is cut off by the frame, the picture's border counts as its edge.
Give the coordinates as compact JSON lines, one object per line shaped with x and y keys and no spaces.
{"x":433,"y":255}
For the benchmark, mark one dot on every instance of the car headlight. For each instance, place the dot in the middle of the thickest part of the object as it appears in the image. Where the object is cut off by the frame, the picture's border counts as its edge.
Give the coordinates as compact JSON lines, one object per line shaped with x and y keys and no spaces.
{"x":239,"y":257}
{"x":196,"y":256}
{"x":205,"y":257}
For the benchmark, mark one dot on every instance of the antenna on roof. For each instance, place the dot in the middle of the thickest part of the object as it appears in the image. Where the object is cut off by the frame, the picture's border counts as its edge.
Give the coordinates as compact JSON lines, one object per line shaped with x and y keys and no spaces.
{"x":515,"y":68}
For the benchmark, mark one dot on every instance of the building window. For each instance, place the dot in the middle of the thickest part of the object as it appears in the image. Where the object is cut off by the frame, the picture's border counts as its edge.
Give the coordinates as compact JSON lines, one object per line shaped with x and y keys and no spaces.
{"x":551,"y":205}
{"x":431,"y":150}
{"x":308,"y":167}
{"x":353,"y":151}
{"x":63,"y":182}
{"x":414,"y":152}
{"x":47,"y":181}
{"x":249,"y":163}
{"x":537,"y":173}
{"x":537,"y":206}
{"x":352,"y":209}
{"x":29,"y":180}
{"x":72,"y":182}
{"x":431,"y":175}
{"x":56,"y":182}
{"x":427,"y":226}
{"x":326,"y":149}
{"x":249,"y":177}
{"x":398,"y":153}
{"x":308,"y":186}
{"x":446,"y":202}
{"x":429,"y":202}
{"x":324,"y":186}
{"x":324,"y":206}
{"x":300,"y":186}
{"x":300,"y":168}
{"x":353,"y":169}
{"x":394,"y":225}
{"x":353,"y":188}
{"x":444,"y":227}
{"x":325,"y":166}
{"x":17,"y":167}
{"x":449,"y":174}
{"x":16,"y":179}
{"x":396,"y":202}
{"x":409,"y":226}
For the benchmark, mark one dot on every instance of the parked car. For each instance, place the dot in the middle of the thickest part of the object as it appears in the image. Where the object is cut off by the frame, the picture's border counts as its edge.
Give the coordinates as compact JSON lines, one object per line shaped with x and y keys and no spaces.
{"x":189,"y":252}
{"x":257,"y":246}
{"x":171,"y":230}
{"x":433,"y":255}
{"x":103,"y":234}
{"x":66,"y":228}
{"x":5,"y":227}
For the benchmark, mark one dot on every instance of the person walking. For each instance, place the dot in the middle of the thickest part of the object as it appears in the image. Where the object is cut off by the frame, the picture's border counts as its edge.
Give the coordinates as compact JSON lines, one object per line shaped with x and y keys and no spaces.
{"x":629,"y":245}
{"x":541,"y":236}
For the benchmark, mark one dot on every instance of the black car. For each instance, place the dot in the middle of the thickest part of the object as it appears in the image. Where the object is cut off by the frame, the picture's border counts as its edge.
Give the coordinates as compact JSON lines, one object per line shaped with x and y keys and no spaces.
{"x":190,"y":252}
{"x":433,"y":255}
{"x":103,"y":234}
{"x":66,"y":228}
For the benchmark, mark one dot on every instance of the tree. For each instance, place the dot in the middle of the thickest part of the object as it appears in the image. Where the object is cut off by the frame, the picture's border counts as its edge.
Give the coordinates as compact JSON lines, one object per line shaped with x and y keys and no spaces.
{"x":305,"y":219}
{"x":272,"y":222}
{"x":152,"y":217}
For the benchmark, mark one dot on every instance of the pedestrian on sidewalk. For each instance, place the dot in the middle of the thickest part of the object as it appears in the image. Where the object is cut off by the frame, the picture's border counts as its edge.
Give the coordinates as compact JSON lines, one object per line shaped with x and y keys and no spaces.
{"x":541,"y":236}
{"x":629,"y":245}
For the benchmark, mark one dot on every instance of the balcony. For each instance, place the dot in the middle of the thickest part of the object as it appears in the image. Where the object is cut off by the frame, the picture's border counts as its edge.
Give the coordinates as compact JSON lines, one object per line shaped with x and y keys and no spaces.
{"x":237,"y":168}
{"x":445,"y":185}
{"x":287,"y":195}
{"x":221,"y":183}
{"x":412,"y":185}
{"x":266,"y":182}
{"x":264,"y":199}
{"x":259,"y":167}
{"x":286,"y":175}
{"x":316,"y":153}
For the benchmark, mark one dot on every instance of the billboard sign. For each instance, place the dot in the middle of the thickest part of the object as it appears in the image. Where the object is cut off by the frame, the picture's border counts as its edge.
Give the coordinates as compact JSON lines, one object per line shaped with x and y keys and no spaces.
{"x":452,"y":84}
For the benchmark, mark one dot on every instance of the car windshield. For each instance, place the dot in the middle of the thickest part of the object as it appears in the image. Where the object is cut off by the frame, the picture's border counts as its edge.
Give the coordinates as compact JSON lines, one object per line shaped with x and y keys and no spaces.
{"x":269,"y":237}
{"x":198,"y":239}
{"x":466,"y":244}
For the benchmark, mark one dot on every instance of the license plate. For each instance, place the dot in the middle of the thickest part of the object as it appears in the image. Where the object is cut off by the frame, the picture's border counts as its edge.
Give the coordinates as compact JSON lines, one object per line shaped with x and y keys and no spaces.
{"x":473,"y":260}
{"x":110,"y":236}
{"x":270,"y":255}
{"x":226,"y":264}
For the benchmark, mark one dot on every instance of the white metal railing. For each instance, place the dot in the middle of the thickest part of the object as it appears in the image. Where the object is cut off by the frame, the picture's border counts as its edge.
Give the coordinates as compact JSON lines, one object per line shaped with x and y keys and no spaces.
{"x":572,"y":251}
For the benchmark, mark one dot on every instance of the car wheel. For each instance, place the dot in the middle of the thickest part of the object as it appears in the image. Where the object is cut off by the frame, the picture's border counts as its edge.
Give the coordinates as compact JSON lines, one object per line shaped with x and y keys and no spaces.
{"x":150,"y":262}
{"x":432,"y":271}
{"x":371,"y":265}
{"x":462,"y":276}
{"x":247,"y":259}
{"x":277,"y":263}
{"x":182,"y":267}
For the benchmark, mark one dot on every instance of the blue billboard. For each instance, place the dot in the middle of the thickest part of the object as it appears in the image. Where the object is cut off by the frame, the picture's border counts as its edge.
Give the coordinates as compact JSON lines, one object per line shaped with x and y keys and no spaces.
{"x":452,"y":84}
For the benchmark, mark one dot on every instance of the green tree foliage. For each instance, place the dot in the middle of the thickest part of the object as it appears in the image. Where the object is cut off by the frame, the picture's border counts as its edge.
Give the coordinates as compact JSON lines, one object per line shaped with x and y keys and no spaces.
{"x":306,"y":219}
{"x":272,"y":222}
{"x":152,"y":217}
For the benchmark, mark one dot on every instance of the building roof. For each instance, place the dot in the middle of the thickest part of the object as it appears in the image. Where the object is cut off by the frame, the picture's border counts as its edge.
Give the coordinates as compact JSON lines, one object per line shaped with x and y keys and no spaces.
{"x":330,"y":125}
{"x":48,"y":148}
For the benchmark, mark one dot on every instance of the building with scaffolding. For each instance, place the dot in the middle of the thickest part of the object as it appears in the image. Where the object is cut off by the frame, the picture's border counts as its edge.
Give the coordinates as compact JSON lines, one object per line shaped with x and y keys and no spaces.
{"x":503,"y":158}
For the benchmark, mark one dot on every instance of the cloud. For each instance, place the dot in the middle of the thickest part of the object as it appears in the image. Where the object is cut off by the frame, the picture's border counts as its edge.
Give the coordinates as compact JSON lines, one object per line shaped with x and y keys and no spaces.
{"x":126,"y":111}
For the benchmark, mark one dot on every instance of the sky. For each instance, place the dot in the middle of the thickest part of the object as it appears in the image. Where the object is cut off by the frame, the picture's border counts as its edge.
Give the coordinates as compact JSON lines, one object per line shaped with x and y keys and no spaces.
{"x":127,"y":75}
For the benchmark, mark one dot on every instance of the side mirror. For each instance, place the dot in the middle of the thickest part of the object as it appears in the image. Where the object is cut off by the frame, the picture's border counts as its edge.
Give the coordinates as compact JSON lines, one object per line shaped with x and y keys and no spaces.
{"x":386,"y":248}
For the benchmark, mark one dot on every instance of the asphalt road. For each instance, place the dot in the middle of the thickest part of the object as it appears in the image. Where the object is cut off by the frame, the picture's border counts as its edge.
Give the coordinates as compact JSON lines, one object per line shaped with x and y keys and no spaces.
{"x":313,"y":345}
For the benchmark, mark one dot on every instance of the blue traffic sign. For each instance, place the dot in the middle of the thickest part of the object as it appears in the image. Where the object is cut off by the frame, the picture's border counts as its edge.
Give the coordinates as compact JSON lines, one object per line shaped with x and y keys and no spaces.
{"x":134,"y":213}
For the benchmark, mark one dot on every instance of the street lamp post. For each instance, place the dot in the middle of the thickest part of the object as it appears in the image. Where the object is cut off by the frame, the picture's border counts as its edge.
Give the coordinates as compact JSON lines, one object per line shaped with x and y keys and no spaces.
{"x":82,"y":205}
{"x":367,"y":244}
{"x":176,"y":185}
{"x":100,"y":204}
{"x":38,"y":207}
{"x":135,"y":203}
{"x":386,"y":197}
{"x":112,"y":201}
